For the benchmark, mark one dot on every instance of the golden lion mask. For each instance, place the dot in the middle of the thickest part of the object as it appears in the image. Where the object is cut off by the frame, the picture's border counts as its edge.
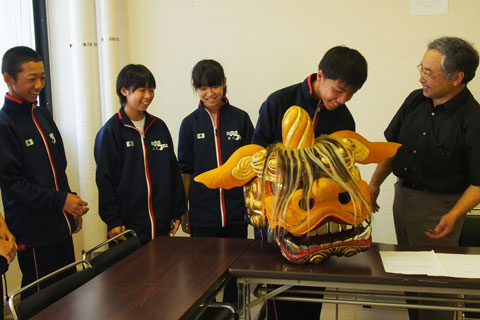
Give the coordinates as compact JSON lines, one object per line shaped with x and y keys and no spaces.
{"x":309,"y":191}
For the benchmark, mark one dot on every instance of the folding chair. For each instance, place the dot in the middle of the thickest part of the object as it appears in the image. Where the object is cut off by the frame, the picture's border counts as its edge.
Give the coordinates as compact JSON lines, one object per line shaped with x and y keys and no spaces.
{"x":40,"y":300}
{"x":101,"y":261}
{"x":219,"y":311}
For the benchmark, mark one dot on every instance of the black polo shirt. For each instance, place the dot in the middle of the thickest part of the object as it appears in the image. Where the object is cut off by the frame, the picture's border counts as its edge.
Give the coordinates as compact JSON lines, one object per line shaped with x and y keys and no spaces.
{"x":440,"y":145}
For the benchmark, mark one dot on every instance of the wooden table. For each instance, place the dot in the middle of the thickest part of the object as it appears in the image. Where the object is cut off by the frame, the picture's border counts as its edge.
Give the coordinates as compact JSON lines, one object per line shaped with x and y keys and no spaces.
{"x":360,"y":279}
{"x":167,"y":278}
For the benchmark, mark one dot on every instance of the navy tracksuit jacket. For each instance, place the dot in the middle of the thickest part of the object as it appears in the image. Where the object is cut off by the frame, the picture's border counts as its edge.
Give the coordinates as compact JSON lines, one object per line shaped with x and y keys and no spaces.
{"x":138,"y":177}
{"x":203,"y":146}
{"x":32,"y":175}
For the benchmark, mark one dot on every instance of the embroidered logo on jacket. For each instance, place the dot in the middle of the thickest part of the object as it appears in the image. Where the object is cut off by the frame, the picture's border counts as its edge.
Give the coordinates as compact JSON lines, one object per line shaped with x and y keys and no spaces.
{"x":29,"y":142}
{"x":129,"y":144}
{"x":52,"y":137}
{"x":200,"y":135}
{"x":157,"y":145}
{"x":233,"y":135}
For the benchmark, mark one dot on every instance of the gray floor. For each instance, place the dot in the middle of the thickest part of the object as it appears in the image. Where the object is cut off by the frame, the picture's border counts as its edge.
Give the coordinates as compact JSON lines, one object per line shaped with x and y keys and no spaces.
{"x":353,"y":312}
{"x":349,"y":312}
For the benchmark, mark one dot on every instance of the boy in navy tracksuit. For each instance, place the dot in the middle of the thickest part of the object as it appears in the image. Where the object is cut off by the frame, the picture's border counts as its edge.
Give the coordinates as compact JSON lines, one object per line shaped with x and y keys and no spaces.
{"x":138,"y":179}
{"x":40,"y":209}
{"x":341,"y":72}
{"x":208,"y":137}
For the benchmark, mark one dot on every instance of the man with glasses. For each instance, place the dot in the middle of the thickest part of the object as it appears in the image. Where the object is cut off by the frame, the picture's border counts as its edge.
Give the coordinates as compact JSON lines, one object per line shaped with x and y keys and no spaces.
{"x":437,"y":166}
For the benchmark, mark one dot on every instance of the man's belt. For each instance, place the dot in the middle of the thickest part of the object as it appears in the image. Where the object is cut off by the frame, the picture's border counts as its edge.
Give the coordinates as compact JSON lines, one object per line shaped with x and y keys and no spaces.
{"x":410,"y":185}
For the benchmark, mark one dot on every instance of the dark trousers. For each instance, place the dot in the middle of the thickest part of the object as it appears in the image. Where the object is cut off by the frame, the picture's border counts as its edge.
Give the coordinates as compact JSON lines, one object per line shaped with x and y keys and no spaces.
{"x":233,"y":231}
{"x":230,"y":292}
{"x":287,"y":310}
{"x":414,"y":212}
{"x":39,"y":261}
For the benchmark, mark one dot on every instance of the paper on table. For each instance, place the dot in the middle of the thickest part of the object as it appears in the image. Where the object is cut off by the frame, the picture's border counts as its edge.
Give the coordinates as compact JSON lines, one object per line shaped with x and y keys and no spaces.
{"x":460,"y":265}
{"x":412,"y":262}
{"x":431,"y":263}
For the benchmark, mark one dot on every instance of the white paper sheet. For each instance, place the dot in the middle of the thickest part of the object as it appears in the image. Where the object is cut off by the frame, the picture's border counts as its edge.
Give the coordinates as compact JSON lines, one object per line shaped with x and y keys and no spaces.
{"x":431,"y":264}
{"x":461,"y":265}
{"x":412,"y":262}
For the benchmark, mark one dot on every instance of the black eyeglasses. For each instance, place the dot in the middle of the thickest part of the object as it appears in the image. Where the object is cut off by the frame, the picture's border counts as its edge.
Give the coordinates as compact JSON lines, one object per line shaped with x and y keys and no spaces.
{"x":427,"y":74}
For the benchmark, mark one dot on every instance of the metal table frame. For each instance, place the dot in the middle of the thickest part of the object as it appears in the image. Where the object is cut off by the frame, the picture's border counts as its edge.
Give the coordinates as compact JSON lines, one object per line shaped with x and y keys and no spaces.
{"x":360,"y":293}
{"x":434,"y":293}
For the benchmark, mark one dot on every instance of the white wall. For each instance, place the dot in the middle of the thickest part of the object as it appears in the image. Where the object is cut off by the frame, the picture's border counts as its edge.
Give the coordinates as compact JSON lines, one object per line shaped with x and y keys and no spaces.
{"x":265,"y":45}
{"x":15,"y":16}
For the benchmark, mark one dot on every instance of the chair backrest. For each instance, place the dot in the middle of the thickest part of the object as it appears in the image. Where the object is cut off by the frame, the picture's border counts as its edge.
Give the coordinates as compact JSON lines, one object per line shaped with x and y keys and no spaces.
{"x":45,"y":297}
{"x":107,"y":258}
{"x":219,"y":311}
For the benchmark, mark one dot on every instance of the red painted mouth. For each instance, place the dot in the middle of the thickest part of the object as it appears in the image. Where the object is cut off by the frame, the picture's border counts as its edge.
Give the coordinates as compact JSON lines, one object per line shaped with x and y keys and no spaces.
{"x":300,"y":248}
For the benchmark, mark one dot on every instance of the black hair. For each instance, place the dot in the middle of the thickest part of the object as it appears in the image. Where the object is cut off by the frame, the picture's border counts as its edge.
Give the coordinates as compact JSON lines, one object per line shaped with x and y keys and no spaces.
{"x":457,"y":55}
{"x":14,"y":58}
{"x":208,"y":73}
{"x":132,"y":77}
{"x":346,"y":65}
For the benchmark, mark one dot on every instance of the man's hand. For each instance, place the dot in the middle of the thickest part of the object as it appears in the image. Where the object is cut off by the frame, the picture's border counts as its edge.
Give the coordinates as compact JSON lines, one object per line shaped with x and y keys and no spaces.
{"x":443,"y":228}
{"x":374,"y":192}
{"x":8,"y":249}
{"x":174,"y":224}
{"x":75,"y":205}
{"x":5,"y":233}
{"x":115,"y":231}
{"x":78,"y":221}
{"x":186,"y":222}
